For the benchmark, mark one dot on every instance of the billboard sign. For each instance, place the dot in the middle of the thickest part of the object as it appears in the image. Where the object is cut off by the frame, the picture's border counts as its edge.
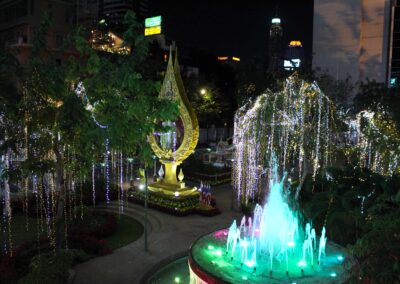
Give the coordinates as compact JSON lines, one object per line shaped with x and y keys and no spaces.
{"x":152,"y":31}
{"x":153,"y":22}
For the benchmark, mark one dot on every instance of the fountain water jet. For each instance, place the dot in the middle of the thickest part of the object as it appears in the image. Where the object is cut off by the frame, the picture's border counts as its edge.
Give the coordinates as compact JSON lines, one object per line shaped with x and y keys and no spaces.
{"x":275,"y":233}
{"x":271,"y":247}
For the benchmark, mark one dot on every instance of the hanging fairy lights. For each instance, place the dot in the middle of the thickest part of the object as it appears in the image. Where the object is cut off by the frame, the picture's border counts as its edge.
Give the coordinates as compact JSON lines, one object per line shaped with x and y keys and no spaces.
{"x":81,"y":93}
{"x":374,"y":139}
{"x":294,"y":124}
{"x":93,"y":185}
{"x":107,"y":170}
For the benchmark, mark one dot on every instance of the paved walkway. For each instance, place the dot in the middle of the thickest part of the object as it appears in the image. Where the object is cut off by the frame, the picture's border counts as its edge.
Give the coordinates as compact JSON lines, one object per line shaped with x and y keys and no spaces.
{"x":168,"y":235}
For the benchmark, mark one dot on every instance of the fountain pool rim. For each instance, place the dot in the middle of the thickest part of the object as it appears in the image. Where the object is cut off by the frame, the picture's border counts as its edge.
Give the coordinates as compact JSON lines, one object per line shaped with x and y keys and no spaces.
{"x":207,"y":273}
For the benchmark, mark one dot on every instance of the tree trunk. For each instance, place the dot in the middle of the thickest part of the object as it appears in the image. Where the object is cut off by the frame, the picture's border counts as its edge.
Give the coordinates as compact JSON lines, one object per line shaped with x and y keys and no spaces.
{"x":303,"y":178}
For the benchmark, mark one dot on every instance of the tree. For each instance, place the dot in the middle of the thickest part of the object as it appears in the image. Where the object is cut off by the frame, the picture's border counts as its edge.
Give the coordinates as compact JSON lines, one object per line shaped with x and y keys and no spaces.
{"x":205,"y":99}
{"x":292,"y":128}
{"x":62,"y":131}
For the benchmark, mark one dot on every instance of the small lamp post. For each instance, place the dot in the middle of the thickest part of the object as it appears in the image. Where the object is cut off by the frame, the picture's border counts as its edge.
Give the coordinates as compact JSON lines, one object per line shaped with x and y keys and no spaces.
{"x":146,"y":196}
{"x":155,"y":168}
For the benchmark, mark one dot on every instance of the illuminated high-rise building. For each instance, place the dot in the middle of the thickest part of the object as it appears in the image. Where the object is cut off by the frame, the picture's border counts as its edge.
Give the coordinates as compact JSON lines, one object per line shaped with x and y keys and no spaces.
{"x":294,"y":55}
{"x":275,"y":50}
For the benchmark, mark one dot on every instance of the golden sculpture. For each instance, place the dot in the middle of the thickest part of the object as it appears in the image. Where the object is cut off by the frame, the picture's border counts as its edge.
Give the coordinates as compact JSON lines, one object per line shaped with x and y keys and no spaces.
{"x":174,"y":146}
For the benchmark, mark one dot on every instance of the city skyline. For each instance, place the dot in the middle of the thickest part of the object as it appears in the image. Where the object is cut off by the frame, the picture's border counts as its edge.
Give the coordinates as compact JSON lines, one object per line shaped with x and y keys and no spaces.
{"x":235,"y":28}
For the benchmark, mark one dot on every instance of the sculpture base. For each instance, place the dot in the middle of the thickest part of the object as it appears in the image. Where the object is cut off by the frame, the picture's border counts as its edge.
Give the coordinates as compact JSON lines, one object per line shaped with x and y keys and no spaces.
{"x":177,"y":190}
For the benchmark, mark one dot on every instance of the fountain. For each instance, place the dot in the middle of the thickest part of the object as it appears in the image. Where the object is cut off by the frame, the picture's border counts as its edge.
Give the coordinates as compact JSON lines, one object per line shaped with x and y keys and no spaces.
{"x":280,"y":132}
{"x":270,"y":247}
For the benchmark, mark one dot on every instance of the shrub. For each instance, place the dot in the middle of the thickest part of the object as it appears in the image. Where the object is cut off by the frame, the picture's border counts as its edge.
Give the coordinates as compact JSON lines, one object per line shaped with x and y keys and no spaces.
{"x":49,"y":268}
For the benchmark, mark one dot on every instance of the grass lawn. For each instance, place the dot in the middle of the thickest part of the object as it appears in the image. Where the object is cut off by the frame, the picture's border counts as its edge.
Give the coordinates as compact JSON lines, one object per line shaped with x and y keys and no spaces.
{"x":128,"y":231}
{"x":19,"y":232}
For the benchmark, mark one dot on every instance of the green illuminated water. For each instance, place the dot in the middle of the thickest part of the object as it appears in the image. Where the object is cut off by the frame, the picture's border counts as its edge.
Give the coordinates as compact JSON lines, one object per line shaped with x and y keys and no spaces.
{"x":209,"y":252}
{"x":270,"y":247}
{"x":175,"y":272}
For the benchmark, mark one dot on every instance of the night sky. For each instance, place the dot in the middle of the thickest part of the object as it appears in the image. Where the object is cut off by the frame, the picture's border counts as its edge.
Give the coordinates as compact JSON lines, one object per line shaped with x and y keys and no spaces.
{"x":234,"y":27}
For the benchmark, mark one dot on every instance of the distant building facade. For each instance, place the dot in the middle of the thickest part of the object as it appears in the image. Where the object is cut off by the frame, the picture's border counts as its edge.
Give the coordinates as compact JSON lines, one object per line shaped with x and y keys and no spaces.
{"x":275,"y":47}
{"x":394,"y":52}
{"x":20,"y":18}
{"x":114,"y":10}
{"x":294,"y":55}
{"x":355,"y":38}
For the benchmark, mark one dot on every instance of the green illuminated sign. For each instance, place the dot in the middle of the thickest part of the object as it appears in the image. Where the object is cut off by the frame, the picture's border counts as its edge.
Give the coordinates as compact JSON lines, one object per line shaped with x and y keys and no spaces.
{"x":153,"y":21}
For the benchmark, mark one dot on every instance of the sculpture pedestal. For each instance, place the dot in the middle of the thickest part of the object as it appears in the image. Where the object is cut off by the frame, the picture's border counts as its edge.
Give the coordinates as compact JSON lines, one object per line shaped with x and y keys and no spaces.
{"x":170,"y":185}
{"x":173,"y":189}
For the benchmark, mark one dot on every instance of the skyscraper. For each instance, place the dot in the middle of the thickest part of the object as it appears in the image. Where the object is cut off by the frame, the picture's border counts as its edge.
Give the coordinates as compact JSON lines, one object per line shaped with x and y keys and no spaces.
{"x":275,"y":54}
{"x":394,"y":52}
{"x":357,"y":39}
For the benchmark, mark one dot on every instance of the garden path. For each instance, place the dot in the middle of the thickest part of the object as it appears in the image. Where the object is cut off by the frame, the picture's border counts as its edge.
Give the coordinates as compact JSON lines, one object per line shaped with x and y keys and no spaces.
{"x":168,"y":236}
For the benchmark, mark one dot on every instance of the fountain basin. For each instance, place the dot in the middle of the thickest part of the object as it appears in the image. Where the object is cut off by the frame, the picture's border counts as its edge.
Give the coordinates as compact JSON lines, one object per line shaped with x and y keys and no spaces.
{"x":210,"y":263}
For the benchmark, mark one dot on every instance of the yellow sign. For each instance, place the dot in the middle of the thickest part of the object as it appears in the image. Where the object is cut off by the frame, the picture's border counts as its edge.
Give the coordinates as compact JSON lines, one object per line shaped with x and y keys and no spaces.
{"x":152,"y":31}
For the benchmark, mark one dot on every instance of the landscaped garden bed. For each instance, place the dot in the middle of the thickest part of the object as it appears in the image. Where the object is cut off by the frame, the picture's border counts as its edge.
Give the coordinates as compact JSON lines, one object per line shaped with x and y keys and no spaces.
{"x":178,"y":206}
{"x":211,"y":179}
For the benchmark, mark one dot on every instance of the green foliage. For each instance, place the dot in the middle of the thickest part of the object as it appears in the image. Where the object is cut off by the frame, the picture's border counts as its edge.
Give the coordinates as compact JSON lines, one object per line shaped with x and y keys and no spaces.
{"x":378,"y":121}
{"x":182,"y":204}
{"x":360,"y":209}
{"x":209,"y":105}
{"x":49,"y":268}
{"x":377,"y":252}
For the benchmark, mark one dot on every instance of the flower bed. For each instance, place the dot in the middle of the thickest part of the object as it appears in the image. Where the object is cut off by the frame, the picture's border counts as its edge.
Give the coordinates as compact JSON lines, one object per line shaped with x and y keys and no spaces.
{"x":212,"y":179}
{"x":177,"y":206}
{"x":81,"y":237}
